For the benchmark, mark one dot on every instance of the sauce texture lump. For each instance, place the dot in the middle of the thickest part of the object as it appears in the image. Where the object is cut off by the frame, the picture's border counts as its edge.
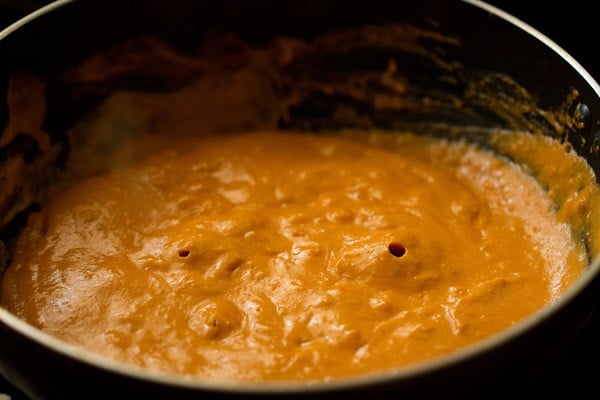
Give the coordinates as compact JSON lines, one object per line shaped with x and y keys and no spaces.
{"x":271,"y":256}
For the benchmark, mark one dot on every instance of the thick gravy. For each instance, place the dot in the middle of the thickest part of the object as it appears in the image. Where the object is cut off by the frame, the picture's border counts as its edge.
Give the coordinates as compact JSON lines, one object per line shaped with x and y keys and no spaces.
{"x":274,"y":256}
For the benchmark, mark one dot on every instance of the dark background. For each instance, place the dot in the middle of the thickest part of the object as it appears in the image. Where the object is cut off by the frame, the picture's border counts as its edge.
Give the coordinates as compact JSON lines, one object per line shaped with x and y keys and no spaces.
{"x":572,"y":25}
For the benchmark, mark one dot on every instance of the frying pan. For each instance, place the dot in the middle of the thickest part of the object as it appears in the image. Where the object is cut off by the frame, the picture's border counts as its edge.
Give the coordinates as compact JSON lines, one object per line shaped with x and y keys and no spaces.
{"x":457,"y":56}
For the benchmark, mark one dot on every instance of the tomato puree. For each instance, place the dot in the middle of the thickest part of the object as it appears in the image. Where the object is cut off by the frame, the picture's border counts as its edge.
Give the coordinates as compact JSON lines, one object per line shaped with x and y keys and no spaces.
{"x":272,"y":256}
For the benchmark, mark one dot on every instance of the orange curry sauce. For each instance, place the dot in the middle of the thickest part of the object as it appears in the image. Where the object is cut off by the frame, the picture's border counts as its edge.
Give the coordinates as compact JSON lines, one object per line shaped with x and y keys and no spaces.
{"x":274,"y":256}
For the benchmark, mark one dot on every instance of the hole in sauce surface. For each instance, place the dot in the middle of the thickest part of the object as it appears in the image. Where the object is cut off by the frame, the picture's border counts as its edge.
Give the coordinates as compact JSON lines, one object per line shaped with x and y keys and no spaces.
{"x":183,"y":253}
{"x":396,"y":249}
